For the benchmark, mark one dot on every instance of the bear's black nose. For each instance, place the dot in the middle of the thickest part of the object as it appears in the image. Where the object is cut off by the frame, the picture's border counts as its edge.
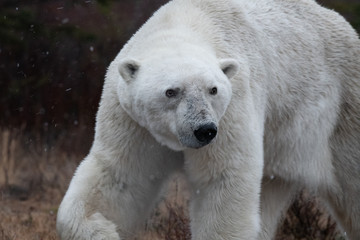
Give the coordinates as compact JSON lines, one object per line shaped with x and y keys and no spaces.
{"x":205,"y":133}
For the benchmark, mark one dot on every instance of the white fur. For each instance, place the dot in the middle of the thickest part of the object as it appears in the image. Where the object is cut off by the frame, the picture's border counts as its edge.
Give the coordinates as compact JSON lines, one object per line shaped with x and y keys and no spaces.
{"x":287,"y":112}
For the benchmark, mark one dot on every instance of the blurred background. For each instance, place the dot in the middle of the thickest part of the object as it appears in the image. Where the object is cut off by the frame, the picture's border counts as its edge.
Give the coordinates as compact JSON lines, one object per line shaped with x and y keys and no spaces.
{"x":53,"y":58}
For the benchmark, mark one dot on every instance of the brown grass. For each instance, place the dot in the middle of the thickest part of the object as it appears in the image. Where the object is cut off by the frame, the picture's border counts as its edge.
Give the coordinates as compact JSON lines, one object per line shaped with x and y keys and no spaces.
{"x":34,"y":175}
{"x":307,"y":219}
{"x":33,"y":178}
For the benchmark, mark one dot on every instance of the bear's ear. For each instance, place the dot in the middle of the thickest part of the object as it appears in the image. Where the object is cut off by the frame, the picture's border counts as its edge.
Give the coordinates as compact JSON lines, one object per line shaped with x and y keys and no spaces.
{"x":128,"y":69}
{"x":229,"y":67}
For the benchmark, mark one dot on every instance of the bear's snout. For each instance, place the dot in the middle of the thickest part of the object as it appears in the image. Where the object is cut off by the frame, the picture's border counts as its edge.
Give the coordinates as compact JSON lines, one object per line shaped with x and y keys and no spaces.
{"x":205,"y":133}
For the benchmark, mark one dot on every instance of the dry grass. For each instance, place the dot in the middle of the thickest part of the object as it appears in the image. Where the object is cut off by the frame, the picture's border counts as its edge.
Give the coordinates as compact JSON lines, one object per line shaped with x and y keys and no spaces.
{"x":34,"y":175}
{"x":33,"y":178}
{"x":307,"y":219}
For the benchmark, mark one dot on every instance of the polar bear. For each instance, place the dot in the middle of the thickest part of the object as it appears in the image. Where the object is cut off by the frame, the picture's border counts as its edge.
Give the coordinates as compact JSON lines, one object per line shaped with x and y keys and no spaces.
{"x":253,"y":100}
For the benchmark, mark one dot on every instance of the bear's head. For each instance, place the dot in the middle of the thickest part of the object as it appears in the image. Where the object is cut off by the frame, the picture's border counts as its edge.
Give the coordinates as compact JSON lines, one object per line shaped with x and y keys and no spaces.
{"x":179,"y":100}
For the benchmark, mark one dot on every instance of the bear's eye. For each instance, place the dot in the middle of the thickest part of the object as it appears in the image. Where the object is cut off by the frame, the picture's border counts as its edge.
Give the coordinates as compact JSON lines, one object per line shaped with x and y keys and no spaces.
{"x":213,"y":91}
{"x":171,"y":93}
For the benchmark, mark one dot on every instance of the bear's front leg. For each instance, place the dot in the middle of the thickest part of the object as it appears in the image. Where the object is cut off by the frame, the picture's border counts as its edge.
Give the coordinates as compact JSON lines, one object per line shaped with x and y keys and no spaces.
{"x":226,"y":180}
{"x":115,"y":188}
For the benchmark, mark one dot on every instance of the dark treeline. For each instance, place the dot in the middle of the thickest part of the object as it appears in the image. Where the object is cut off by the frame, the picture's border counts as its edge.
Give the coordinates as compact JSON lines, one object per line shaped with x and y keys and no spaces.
{"x":54,"y":54}
{"x":53,"y":57}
